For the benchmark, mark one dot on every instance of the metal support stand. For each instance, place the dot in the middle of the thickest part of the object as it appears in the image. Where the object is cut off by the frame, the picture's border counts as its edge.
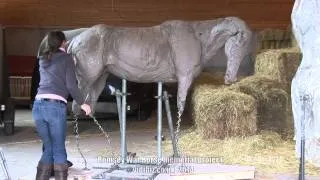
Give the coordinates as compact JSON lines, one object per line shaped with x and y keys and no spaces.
{"x":304,"y":100}
{"x":118,"y":95}
{"x":159,"y":117}
{"x":128,"y":166}
{"x":4,"y":165}
{"x":121,"y":106}
{"x":123,"y":122}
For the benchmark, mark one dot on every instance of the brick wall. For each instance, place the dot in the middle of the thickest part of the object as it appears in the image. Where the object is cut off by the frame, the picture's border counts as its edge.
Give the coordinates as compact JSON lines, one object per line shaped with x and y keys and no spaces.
{"x":259,"y":14}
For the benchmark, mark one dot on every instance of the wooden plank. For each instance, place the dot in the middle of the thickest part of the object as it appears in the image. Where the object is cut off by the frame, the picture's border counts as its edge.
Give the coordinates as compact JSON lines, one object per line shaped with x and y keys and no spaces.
{"x":213,"y":171}
{"x":141,"y":12}
{"x":220,"y":176}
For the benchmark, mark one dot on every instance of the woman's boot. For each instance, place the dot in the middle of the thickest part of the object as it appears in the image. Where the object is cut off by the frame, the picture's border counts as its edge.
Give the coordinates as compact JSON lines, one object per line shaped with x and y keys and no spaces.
{"x":69,"y":163}
{"x":60,"y":171}
{"x":43,"y":171}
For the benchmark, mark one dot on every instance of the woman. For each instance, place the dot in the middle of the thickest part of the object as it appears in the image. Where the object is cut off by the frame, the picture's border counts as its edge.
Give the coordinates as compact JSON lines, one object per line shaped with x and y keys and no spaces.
{"x":57,"y":81}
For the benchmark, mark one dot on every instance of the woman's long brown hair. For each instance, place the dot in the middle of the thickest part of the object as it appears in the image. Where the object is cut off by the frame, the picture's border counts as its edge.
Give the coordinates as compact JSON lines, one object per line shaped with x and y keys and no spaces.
{"x":53,"y":43}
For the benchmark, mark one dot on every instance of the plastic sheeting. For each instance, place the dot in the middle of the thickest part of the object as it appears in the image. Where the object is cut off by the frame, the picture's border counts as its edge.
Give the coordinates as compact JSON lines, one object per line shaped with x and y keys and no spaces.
{"x":305,"y":88}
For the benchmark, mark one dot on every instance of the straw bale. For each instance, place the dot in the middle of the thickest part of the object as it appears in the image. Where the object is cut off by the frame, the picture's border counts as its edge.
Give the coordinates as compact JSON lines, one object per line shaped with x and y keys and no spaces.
{"x":280,"y":65}
{"x":220,"y":113}
{"x":273,"y":106}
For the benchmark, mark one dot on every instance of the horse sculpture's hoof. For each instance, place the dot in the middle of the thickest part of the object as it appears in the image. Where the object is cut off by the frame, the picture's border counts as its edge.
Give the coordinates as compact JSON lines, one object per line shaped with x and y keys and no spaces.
{"x":228,"y":82}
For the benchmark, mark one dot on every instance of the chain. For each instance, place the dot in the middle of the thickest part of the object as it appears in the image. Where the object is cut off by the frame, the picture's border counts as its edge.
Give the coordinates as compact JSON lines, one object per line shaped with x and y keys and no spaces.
{"x":108,"y":139}
{"x":76,"y":130}
{"x":106,"y":135}
{"x":177,"y":133}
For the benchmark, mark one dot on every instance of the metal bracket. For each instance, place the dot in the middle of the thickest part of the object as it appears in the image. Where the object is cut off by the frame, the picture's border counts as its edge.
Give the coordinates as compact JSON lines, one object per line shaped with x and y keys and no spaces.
{"x":119,"y":93}
{"x":167,"y":96}
{"x":158,"y":97}
{"x":3,"y":107}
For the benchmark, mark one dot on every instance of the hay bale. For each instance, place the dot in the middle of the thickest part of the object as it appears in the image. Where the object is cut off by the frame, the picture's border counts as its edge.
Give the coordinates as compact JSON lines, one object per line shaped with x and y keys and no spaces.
{"x":273,"y":106}
{"x":269,"y":87}
{"x":274,"y":38}
{"x":220,"y":113}
{"x":280,"y":65}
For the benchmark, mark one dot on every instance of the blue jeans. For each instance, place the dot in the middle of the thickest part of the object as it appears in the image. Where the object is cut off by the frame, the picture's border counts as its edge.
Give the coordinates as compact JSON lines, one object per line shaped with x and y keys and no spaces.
{"x":50,"y":120}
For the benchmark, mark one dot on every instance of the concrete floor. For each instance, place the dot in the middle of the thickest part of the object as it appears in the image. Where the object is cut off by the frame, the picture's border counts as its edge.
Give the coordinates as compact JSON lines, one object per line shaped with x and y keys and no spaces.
{"x":23,"y":149}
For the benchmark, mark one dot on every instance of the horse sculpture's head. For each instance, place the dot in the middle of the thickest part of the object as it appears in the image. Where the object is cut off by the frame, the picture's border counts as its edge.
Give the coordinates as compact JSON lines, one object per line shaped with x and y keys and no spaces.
{"x":237,"y":48}
{"x":231,"y":34}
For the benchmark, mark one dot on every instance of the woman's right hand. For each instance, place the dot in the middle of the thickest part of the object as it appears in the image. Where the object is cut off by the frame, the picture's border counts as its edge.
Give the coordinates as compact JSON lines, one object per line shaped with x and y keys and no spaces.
{"x":86,"y":108}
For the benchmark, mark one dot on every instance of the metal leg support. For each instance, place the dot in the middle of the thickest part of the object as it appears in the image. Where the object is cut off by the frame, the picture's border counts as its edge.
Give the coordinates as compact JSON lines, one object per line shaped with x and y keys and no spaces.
{"x":119,"y":108}
{"x":159,"y":140}
{"x":123,"y":122}
{"x":169,"y":117}
{"x":122,"y":116}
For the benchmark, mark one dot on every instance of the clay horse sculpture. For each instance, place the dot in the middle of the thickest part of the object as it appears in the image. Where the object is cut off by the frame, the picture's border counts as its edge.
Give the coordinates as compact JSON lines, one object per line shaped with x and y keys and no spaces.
{"x":174,"y":51}
{"x":305,"y":88}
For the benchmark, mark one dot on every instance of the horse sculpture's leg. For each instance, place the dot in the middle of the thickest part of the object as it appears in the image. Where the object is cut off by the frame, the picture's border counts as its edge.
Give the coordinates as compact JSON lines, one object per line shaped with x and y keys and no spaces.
{"x":184,"y":84}
{"x":91,"y":92}
{"x":96,"y":89}
{"x":187,"y":52}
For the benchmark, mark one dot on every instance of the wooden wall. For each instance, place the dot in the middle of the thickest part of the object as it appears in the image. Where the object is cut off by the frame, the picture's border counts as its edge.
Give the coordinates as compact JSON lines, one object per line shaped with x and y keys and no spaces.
{"x":259,"y":14}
